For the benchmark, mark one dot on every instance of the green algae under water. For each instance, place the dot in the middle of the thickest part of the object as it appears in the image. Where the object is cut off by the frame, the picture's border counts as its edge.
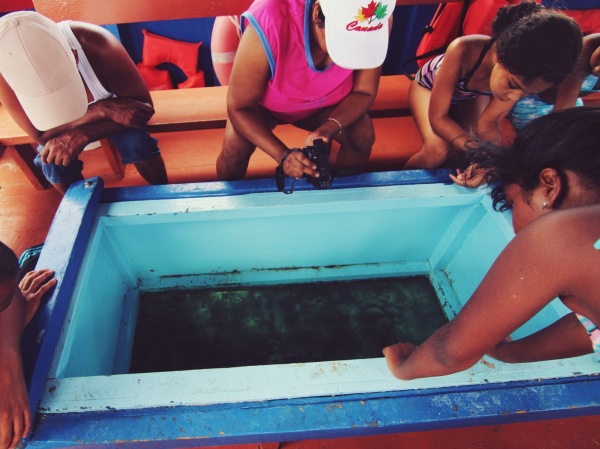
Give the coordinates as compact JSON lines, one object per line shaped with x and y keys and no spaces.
{"x":209,"y":328}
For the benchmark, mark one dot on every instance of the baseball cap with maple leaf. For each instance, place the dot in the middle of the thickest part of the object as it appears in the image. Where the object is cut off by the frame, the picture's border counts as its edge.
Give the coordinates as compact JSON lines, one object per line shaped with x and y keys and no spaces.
{"x":357,"y":31}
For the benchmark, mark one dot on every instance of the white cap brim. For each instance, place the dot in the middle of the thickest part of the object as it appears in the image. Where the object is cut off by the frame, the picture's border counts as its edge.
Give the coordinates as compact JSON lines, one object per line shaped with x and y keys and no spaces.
{"x":353,"y":43}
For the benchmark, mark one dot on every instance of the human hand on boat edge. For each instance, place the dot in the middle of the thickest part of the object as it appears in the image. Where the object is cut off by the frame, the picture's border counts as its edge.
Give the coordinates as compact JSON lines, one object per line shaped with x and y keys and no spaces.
{"x":471,"y":177}
{"x":310,"y":161}
{"x":397,"y":354}
{"x":296,"y":163}
{"x":34,"y":285}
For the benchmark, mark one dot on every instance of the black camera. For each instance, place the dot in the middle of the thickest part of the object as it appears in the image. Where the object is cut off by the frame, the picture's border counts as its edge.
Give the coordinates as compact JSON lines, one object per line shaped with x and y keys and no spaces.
{"x":319,"y":153}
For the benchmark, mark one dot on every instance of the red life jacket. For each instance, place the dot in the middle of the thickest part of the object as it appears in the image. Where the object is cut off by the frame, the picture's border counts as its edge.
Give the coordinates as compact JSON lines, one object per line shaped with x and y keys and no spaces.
{"x":452,"y":20}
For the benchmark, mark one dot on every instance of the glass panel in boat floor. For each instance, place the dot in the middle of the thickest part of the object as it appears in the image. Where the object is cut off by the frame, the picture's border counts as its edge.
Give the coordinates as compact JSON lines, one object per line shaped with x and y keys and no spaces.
{"x":215,"y":328}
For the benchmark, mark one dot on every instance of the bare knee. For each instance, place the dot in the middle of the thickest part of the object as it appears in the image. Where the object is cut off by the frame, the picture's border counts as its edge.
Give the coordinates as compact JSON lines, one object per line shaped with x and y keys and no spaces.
{"x":62,"y":187}
{"x":435,"y":155}
{"x":362,"y":133}
{"x":429,"y":157}
{"x":233,"y":160}
{"x":357,"y":143}
{"x":153,"y":170}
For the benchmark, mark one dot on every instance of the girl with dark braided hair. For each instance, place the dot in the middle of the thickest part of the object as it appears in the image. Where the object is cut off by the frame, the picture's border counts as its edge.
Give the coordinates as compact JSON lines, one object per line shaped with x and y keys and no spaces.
{"x":472,"y":87}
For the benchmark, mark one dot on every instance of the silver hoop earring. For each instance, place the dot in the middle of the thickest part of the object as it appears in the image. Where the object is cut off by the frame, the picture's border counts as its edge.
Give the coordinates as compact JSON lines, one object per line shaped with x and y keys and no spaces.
{"x":545,"y":204}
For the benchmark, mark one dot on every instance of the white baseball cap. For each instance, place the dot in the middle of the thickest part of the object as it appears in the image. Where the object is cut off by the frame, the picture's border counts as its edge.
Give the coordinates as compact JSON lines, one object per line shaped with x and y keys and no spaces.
{"x":357,"y":31}
{"x":38,"y":64}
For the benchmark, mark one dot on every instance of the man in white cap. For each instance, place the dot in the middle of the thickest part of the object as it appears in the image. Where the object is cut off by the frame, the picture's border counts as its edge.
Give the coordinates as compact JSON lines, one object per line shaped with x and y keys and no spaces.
{"x":315,"y":64}
{"x":50,"y":72}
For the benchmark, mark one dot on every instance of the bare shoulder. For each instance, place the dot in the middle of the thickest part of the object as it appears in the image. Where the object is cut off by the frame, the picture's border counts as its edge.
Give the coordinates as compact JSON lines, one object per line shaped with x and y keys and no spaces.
{"x":590,"y":53}
{"x":110,"y":61}
{"x":101,"y":47}
{"x":571,"y":248}
{"x":250,"y":42}
{"x":591,"y":42}
{"x":569,"y":234}
{"x":556,"y":253}
{"x":573,"y":221}
{"x":465,"y":50}
{"x":251,"y":63}
{"x":95,"y":39}
{"x":473,"y":43}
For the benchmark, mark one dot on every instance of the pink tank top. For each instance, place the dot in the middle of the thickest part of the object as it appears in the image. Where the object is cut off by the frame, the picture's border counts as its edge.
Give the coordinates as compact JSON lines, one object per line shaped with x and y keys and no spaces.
{"x":296,"y":89}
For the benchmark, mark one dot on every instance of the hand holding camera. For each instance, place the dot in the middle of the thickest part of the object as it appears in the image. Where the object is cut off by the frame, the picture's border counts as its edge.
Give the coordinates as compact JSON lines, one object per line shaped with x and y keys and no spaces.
{"x":295,"y":164}
{"x":319,"y":156}
{"x":320,"y":153}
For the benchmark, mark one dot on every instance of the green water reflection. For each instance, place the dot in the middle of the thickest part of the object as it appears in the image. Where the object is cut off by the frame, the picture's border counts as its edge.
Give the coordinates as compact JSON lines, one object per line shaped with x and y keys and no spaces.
{"x":198,"y":329}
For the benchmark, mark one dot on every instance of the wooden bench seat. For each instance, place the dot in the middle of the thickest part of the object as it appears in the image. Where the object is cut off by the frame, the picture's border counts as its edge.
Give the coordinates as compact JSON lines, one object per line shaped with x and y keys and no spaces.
{"x":182,"y":110}
{"x":396,"y":140}
{"x":22,"y":148}
{"x":206,"y":108}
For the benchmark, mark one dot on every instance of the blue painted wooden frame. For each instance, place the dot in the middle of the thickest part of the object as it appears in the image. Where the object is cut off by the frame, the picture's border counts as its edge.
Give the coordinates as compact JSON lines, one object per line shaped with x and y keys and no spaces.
{"x":317,"y":418}
{"x":281,"y":420}
{"x":62,"y":253}
{"x":228,"y":188}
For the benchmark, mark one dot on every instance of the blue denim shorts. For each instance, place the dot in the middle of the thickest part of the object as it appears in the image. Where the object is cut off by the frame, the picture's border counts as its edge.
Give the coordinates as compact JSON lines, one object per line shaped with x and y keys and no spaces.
{"x":134,"y":145}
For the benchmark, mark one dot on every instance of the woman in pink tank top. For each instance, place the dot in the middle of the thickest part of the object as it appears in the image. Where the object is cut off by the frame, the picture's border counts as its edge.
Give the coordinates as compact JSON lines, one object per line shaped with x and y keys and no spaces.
{"x":310,"y":63}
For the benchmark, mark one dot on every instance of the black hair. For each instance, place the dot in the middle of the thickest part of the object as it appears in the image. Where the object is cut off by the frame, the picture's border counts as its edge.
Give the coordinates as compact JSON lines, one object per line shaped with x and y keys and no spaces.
{"x":567,"y":140}
{"x":510,"y":14}
{"x":9,"y":264}
{"x":542,"y":44}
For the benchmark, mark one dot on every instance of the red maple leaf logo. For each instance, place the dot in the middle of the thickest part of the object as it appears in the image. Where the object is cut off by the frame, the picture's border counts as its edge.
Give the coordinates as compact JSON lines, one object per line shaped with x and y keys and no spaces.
{"x":369,"y":11}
